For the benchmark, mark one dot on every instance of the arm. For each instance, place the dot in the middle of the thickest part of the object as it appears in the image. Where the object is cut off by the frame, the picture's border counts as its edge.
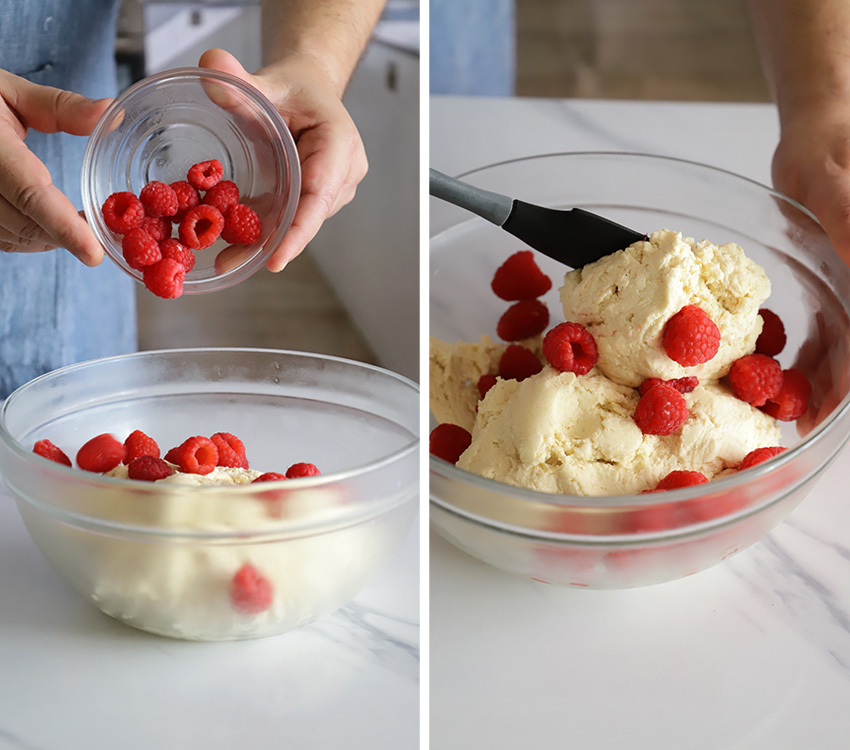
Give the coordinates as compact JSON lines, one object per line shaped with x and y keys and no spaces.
{"x":805,"y":50}
{"x":312,"y":49}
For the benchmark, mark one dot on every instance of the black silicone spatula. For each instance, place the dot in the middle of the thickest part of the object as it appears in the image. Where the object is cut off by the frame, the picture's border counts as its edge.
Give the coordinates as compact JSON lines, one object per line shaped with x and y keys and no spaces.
{"x":574,"y":237}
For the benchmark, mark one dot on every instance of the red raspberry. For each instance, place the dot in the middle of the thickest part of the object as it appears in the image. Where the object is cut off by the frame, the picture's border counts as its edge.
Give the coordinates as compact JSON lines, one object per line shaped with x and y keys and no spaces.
{"x":197,"y":455}
{"x":250,"y":591}
{"x":123,"y":212}
{"x":570,"y":347}
{"x":485,"y":383}
{"x":157,"y":227}
{"x":758,"y":455}
{"x":518,"y":363}
{"x":755,"y":378}
{"x":165,"y":279}
{"x":138,"y":444}
{"x":231,"y":450}
{"x":683,"y":385}
{"x":523,"y":320}
{"x":177,"y":251}
{"x":159,"y":199}
{"x":448,"y":441}
{"x":690,"y":337}
{"x":140,"y":249}
{"x":676,"y":479}
{"x":201,"y":227}
{"x":173,"y":455}
{"x":792,"y":401}
{"x":661,"y":411}
{"x":187,"y":197}
{"x":206,"y":174}
{"x":302,"y":470}
{"x":772,"y":338}
{"x":46,"y":449}
{"x":269,"y":476}
{"x":148,"y":469}
{"x":242,"y":226}
{"x":101,"y":453}
{"x":519,"y":277}
{"x":222,"y":196}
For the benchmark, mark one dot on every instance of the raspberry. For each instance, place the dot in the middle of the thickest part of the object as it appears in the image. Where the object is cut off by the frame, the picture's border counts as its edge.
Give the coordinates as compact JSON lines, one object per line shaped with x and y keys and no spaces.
{"x":448,"y":441}
{"x":676,"y":479}
{"x":519,"y":277}
{"x":771,"y":340}
{"x":250,"y":591}
{"x":242,"y":226}
{"x":758,"y":455}
{"x":518,"y":363}
{"x":690,"y":337}
{"x":123,"y":212}
{"x":173,"y":455}
{"x":683,"y":385}
{"x":177,"y":251}
{"x":187,"y":197}
{"x":197,"y":455}
{"x":569,"y":347}
{"x":138,"y":444}
{"x":485,"y":383}
{"x":302,"y":470}
{"x":165,"y":279}
{"x":661,"y":411}
{"x":140,"y":249}
{"x":46,"y":449}
{"x":201,"y":227}
{"x":792,"y":401}
{"x":523,"y":320}
{"x":159,"y":199}
{"x":157,"y":227}
{"x":269,"y":476}
{"x":101,"y":453}
{"x":231,"y":450}
{"x":148,"y":469}
{"x":755,"y":378}
{"x":222,"y":196}
{"x":205,"y":175}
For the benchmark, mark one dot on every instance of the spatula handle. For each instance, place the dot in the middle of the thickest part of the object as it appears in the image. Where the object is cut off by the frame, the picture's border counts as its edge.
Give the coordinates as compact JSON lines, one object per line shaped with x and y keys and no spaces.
{"x":494,"y":207}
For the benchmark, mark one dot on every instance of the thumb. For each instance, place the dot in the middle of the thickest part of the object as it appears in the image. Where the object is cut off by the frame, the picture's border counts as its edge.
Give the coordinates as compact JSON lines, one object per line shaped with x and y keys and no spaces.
{"x":219,"y":59}
{"x":51,"y":110}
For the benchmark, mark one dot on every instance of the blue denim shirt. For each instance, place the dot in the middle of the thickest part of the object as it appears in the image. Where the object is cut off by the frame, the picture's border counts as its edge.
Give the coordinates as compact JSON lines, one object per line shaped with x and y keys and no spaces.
{"x":54,"y":310}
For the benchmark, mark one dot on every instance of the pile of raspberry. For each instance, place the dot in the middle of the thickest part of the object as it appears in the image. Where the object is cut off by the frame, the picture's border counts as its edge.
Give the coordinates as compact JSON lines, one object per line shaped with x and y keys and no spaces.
{"x":202,"y":208}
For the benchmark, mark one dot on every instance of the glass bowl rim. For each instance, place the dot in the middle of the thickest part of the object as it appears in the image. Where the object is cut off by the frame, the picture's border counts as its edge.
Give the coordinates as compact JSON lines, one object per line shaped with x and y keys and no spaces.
{"x":613,"y":503}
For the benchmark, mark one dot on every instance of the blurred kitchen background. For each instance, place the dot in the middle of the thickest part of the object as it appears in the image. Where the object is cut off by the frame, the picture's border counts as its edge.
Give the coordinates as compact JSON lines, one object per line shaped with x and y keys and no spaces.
{"x":684,"y":50}
{"x":355,"y":291}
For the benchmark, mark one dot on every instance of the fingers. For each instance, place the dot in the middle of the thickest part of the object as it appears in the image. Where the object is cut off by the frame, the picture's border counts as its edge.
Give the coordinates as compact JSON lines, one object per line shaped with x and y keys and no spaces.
{"x":26,"y":188}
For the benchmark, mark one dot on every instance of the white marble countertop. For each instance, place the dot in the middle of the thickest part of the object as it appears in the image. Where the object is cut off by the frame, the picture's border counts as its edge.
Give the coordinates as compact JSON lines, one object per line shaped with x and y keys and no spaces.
{"x":753,"y":654}
{"x":72,"y":678}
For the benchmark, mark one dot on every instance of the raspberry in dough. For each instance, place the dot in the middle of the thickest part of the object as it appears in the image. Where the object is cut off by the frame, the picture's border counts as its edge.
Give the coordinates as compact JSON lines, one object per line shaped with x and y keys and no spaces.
{"x":518,"y":363}
{"x":201,"y":227}
{"x":242,"y":225}
{"x":138,"y":444}
{"x":676,"y":479}
{"x":250,"y":591}
{"x":691,"y":337}
{"x":302,"y":470}
{"x":148,"y":469}
{"x":165,"y":278}
{"x":792,"y":400}
{"x":569,"y":347}
{"x":231,"y":450}
{"x":123,"y":212}
{"x":448,"y":441}
{"x":755,"y":378}
{"x":48,"y":450}
{"x":197,"y":455}
{"x":159,"y":199}
{"x":101,"y":453}
{"x":140,"y":249}
{"x":662,"y":411}
{"x":758,"y":455}
{"x":269,"y":476}
{"x":486,"y":382}
{"x":522,"y":320}
{"x":771,"y":340}
{"x":519,"y":277}
{"x":683,"y":385}
{"x":205,"y":175}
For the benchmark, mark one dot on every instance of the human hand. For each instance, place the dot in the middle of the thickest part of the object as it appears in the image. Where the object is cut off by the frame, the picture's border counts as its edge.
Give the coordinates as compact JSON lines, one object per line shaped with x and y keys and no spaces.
{"x":812,"y":166}
{"x":34,"y":214}
{"x":333,"y":161}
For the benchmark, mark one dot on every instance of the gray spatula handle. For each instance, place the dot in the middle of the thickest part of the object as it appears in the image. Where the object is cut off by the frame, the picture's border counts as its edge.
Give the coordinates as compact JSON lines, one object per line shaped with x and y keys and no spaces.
{"x":491,"y":206}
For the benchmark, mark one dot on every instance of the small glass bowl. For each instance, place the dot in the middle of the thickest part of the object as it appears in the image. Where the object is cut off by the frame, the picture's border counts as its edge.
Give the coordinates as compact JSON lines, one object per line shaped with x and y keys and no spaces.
{"x":618,"y":541}
{"x":159,"y":127}
{"x":161,"y":557}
